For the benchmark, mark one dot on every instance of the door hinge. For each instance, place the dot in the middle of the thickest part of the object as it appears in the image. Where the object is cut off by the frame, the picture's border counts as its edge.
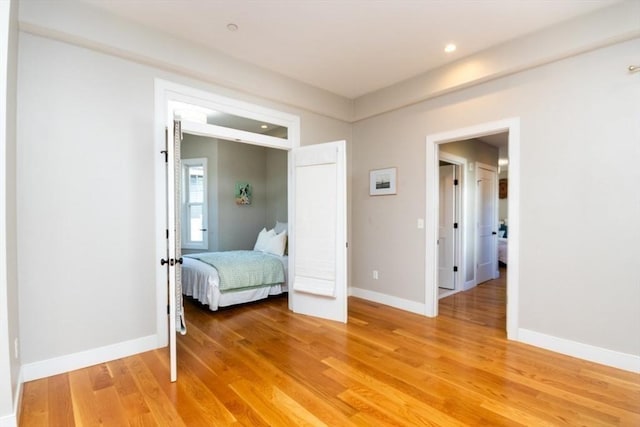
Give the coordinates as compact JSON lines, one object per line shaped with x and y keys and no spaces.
{"x":455,"y":268}
{"x":347,"y":245}
{"x":166,"y":145}
{"x":455,"y":225}
{"x":167,"y":233}
{"x":455,"y":182}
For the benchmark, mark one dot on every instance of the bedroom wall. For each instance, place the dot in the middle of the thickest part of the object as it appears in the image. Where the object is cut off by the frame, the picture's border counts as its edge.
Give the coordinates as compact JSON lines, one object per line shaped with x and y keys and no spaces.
{"x":239,"y":225}
{"x":86,"y":233}
{"x":9,"y":316}
{"x":579,"y":154}
{"x":473,"y":151}
{"x":267,"y":166}
{"x":276,"y":187}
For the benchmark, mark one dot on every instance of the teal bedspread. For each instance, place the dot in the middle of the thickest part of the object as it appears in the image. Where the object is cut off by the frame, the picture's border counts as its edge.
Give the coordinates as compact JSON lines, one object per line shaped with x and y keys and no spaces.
{"x":239,"y":270}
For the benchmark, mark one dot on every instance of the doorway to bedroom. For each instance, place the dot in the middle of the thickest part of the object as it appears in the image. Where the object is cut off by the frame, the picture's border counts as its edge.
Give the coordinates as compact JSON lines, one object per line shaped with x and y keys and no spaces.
{"x":476,"y":156}
{"x":316,"y":201}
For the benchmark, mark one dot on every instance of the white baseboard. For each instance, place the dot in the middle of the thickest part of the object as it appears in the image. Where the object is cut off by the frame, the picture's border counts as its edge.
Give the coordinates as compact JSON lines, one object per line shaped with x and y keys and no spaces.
{"x":401,"y":303}
{"x":71,"y":362}
{"x":11,"y":420}
{"x":469,"y":284}
{"x":628,"y":362}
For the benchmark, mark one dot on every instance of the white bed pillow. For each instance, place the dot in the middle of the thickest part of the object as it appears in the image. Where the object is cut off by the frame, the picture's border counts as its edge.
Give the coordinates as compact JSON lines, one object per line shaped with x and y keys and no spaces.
{"x":280,"y":227}
{"x":277,"y":244}
{"x":263,"y":239}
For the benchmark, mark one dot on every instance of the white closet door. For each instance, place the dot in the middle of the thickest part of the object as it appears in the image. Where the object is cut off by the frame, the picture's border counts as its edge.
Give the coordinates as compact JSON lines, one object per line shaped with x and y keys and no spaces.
{"x":486,"y":233}
{"x":446,"y":235}
{"x":318,"y":285}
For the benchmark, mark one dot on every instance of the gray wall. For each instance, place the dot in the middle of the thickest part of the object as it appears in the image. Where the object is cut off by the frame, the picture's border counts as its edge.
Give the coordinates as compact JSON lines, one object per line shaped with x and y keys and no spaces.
{"x":579,"y":175}
{"x":239,"y":225}
{"x":86,"y":233}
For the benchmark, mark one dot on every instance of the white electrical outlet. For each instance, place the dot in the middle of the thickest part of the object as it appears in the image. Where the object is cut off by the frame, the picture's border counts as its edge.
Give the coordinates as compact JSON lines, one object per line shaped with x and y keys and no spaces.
{"x":16,"y":348}
{"x":375,"y":274}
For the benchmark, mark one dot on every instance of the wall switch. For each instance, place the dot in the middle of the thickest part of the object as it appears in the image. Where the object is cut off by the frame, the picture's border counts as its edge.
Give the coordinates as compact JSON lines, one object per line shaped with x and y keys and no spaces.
{"x":375,"y":274}
{"x":420,"y":223}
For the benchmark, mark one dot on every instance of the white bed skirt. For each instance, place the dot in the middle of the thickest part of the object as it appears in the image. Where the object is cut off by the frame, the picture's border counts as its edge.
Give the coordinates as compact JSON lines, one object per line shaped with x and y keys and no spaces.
{"x":201,"y":281}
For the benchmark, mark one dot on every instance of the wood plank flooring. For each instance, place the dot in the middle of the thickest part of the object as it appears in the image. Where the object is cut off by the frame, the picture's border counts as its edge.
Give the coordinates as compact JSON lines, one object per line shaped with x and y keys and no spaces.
{"x":261,"y":365}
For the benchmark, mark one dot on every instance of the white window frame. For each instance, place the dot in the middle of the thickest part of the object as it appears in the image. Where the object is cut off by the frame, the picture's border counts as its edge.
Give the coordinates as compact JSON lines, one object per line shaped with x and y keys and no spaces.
{"x":187,"y":243}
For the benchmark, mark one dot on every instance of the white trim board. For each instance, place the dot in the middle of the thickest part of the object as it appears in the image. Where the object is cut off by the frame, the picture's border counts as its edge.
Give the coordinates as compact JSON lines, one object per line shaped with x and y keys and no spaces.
{"x":11,"y":420}
{"x":627,"y":362}
{"x":71,"y":362}
{"x":391,"y":301}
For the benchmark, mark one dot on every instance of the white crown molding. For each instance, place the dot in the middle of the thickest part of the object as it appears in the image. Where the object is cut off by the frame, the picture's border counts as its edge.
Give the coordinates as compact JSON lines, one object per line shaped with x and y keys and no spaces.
{"x":599,"y":29}
{"x":82,"y":25}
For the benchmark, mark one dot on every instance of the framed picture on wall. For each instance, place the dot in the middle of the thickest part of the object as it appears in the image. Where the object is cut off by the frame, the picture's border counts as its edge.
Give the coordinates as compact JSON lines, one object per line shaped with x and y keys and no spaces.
{"x":243,"y":193}
{"x":382,"y":182}
{"x":503,"y":187}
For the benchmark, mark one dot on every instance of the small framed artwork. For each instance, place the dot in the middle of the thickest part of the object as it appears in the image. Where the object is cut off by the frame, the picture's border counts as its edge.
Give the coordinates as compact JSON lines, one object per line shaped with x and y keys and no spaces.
{"x":382,"y":182}
{"x":243,"y":193}
{"x":503,"y":188}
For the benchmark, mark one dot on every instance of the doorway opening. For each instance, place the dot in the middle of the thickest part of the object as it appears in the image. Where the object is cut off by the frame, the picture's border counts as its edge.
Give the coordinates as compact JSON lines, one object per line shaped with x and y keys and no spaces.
{"x":435,"y":146}
{"x":316,"y":201}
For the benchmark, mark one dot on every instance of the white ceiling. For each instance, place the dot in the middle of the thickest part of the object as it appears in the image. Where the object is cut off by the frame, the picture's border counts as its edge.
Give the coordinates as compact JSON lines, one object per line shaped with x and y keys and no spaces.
{"x":348,"y":47}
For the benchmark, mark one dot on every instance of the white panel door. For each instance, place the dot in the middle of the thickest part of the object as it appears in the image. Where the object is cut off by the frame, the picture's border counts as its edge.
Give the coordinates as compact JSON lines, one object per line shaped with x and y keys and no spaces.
{"x":174,"y":252}
{"x":446,"y":236}
{"x":486,"y":234}
{"x":318,"y":271}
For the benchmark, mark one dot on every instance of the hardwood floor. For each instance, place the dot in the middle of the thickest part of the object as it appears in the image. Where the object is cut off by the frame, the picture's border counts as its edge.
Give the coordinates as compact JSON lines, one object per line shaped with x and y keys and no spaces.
{"x":260,"y":365}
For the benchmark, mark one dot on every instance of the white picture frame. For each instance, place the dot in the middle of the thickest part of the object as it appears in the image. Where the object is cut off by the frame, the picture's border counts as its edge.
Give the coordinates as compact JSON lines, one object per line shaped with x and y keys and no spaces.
{"x":382,"y":182}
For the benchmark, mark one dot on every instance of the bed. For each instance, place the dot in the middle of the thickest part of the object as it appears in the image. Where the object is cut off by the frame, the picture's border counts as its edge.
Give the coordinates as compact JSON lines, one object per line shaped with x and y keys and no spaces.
{"x":502,"y":250}
{"x":503,"y":244}
{"x":222,"y":279}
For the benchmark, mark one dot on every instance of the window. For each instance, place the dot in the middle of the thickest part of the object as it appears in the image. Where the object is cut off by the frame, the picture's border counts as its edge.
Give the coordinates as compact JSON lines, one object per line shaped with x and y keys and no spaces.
{"x":194,"y":204}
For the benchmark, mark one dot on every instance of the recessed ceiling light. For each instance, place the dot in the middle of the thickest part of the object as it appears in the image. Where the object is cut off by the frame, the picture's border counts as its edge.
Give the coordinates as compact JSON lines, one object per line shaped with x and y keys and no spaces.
{"x":264,"y":126}
{"x":232,"y":27}
{"x":450,"y":48}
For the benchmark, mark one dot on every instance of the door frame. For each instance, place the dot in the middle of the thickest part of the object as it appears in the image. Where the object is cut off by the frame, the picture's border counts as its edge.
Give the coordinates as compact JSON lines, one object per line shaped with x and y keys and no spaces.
{"x":165,"y":92}
{"x":512,"y":126}
{"x":460,"y":240}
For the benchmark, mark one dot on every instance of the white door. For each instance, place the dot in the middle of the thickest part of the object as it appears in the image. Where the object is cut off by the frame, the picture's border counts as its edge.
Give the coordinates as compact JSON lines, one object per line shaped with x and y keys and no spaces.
{"x":174,"y":253}
{"x":486,"y":233}
{"x":318,"y":271}
{"x":446,"y":232}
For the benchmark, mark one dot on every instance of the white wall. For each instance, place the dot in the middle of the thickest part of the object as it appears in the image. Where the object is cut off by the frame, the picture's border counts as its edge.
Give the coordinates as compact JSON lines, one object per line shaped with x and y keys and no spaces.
{"x":86,"y":198}
{"x":579,"y":154}
{"x":9,"y":322}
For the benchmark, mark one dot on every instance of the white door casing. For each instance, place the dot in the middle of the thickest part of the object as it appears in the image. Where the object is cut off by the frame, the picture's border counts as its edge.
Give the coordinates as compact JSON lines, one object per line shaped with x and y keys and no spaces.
{"x":300,"y":301}
{"x":446,"y":235}
{"x":433,"y":141}
{"x":318,"y":273}
{"x":486,"y":222}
